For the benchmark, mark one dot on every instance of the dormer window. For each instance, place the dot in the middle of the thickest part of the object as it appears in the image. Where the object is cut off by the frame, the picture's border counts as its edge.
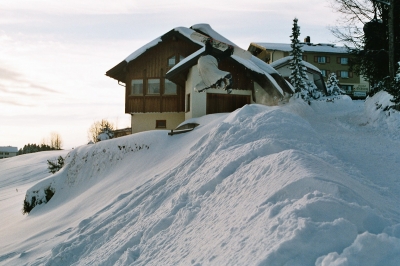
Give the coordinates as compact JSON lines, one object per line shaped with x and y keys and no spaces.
{"x":173,"y":60}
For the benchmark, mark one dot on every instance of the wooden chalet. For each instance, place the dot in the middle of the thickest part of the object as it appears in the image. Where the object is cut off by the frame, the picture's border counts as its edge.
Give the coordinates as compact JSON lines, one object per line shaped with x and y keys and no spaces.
{"x":159,"y":79}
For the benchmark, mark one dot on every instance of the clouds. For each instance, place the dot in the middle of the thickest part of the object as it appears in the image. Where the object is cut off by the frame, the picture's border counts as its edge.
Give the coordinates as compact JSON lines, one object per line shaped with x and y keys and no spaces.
{"x":14,"y":89}
{"x":54,"y":54}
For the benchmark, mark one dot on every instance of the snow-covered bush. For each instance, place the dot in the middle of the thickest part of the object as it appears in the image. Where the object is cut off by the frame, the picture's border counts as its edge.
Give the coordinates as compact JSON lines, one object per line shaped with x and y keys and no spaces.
{"x":332,"y":86}
{"x":55,"y":166}
{"x":38,"y":197}
{"x":394,"y":89}
{"x":105,"y":134}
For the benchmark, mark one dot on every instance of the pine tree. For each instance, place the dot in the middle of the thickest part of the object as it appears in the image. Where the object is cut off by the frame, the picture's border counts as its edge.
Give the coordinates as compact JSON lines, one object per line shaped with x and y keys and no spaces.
{"x":55,"y":166}
{"x":332,"y":86}
{"x":298,"y":77}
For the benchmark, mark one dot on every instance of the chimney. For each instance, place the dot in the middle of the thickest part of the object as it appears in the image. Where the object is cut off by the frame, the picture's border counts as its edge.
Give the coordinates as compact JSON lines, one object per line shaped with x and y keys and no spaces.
{"x":307,"y":39}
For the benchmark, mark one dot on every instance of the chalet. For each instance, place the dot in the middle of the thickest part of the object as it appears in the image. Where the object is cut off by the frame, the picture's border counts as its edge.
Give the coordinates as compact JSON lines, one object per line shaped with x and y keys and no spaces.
{"x":160,"y":76}
{"x":328,"y":58}
{"x":313,"y":73}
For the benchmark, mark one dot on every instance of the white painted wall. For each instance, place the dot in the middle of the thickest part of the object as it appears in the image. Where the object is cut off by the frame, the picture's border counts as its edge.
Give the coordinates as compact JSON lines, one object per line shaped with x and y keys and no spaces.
{"x":147,"y":121}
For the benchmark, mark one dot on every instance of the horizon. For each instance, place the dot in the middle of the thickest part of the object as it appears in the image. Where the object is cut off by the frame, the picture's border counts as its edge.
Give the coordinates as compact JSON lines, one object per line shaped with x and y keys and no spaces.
{"x":55,"y":55}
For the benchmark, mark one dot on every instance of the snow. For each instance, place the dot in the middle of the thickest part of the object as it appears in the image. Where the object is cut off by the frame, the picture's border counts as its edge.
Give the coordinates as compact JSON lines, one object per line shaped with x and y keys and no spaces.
{"x":182,"y":30}
{"x":295,"y":184}
{"x":285,"y":60}
{"x":8,"y":149}
{"x":206,"y":28}
{"x":321,"y":48}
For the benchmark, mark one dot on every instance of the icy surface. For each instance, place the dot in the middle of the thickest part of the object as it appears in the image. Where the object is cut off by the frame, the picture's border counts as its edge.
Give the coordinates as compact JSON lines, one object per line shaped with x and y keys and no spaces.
{"x":288,"y":185}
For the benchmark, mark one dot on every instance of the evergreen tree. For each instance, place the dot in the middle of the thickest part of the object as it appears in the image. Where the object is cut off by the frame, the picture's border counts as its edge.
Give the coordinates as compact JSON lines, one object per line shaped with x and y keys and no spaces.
{"x":394,"y":89}
{"x":298,"y":77}
{"x":332,"y":86}
{"x":55,"y":166}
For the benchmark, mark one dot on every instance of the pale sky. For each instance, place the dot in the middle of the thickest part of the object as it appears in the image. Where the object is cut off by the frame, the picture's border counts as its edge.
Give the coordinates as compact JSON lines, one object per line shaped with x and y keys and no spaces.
{"x":54,"y":54}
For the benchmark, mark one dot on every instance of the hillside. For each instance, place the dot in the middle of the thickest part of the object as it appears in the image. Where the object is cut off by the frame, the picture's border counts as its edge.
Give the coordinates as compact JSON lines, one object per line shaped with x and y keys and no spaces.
{"x":288,"y":185}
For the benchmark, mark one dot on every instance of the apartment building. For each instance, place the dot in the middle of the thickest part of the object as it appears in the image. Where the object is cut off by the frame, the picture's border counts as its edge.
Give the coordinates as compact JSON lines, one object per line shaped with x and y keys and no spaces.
{"x":328,"y":58}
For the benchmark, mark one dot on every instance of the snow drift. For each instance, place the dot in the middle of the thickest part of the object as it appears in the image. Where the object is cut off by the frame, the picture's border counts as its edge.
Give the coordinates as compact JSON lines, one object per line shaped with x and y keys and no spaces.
{"x":289,"y":185}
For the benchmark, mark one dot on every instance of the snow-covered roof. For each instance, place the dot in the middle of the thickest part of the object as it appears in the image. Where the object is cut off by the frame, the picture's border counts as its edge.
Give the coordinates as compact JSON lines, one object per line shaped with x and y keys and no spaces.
{"x":182,"y":30}
{"x":253,"y":64}
{"x":307,"y":47}
{"x":261,"y":67}
{"x":205,"y":28}
{"x":283,"y":61}
{"x":8,"y":149}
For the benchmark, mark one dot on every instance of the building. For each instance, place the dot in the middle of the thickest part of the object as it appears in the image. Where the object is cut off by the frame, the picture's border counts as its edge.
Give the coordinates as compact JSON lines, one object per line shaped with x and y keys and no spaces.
{"x":328,"y":58}
{"x":160,"y":76}
{"x":8,"y":151}
{"x":313,"y":73}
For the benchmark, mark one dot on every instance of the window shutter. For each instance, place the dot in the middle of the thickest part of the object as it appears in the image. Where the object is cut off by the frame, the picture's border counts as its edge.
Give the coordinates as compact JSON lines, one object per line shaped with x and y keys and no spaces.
{"x":338,"y":60}
{"x":328,"y":60}
{"x":316,"y":59}
{"x":350,"y":74}
{"x":338,"y":73}
{"x":327,"y":73}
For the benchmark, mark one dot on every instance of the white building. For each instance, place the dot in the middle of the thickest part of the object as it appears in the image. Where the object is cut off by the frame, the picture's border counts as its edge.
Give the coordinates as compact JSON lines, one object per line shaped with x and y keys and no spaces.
{"x":8,"y":151}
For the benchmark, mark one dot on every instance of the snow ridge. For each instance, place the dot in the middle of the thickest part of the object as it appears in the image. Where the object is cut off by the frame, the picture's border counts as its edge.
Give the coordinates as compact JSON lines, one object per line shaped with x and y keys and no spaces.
{"x":259,"y":186}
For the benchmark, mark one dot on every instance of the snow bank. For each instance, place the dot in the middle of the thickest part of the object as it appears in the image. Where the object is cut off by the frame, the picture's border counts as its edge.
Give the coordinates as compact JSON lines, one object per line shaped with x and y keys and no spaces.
{"x":376,"y":109}
{"x":259,"y":186}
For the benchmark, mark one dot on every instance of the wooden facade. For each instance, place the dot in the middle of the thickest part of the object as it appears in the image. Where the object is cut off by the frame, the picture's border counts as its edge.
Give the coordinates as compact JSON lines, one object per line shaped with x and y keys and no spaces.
{"x":153,"y":64}
{"x":225,"y":103}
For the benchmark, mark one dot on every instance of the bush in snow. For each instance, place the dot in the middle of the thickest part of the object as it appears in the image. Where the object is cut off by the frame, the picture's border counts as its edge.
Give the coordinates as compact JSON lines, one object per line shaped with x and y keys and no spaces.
{"x":105,"y":133}
{"x":392,"y":87}
{"x":55,"y":166}
{"x":28,"y":205}
{"x":332,"y":86}
{"x":101,"y":130}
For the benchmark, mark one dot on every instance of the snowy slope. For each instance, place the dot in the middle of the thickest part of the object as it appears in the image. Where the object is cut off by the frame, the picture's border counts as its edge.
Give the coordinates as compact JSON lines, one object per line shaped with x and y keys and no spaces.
{"x":289,"y":185}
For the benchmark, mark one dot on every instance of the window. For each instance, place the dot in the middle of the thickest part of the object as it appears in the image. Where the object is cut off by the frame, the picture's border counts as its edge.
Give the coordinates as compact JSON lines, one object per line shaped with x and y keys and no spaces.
{"x":1,"y":153}
{"x":161,"y":123}
{"x":153,"y":86}
{"x":347,"y":88}
{"x":188,"y":102}
{"x":321,"y":59}
{"x":304,"y":57}
{"x":344,"y":74}
{"x":344,"y":60}
{"x":137,"y":87}
{"x":171,"y":61}
{"x":6,"y":153}
{"x":170,"y":87}
{"x":323,"y":72}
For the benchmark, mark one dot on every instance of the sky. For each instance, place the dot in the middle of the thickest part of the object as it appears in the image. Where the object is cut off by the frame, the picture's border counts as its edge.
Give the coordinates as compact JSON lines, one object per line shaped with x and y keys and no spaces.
{"x":54,"y":54}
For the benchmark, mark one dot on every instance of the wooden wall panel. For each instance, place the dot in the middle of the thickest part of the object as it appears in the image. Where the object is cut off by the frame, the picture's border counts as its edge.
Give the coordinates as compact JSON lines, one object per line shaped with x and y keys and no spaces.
{"x":241,"y":80}
{"x":154,"y":64}
{"x":224,"y":103}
